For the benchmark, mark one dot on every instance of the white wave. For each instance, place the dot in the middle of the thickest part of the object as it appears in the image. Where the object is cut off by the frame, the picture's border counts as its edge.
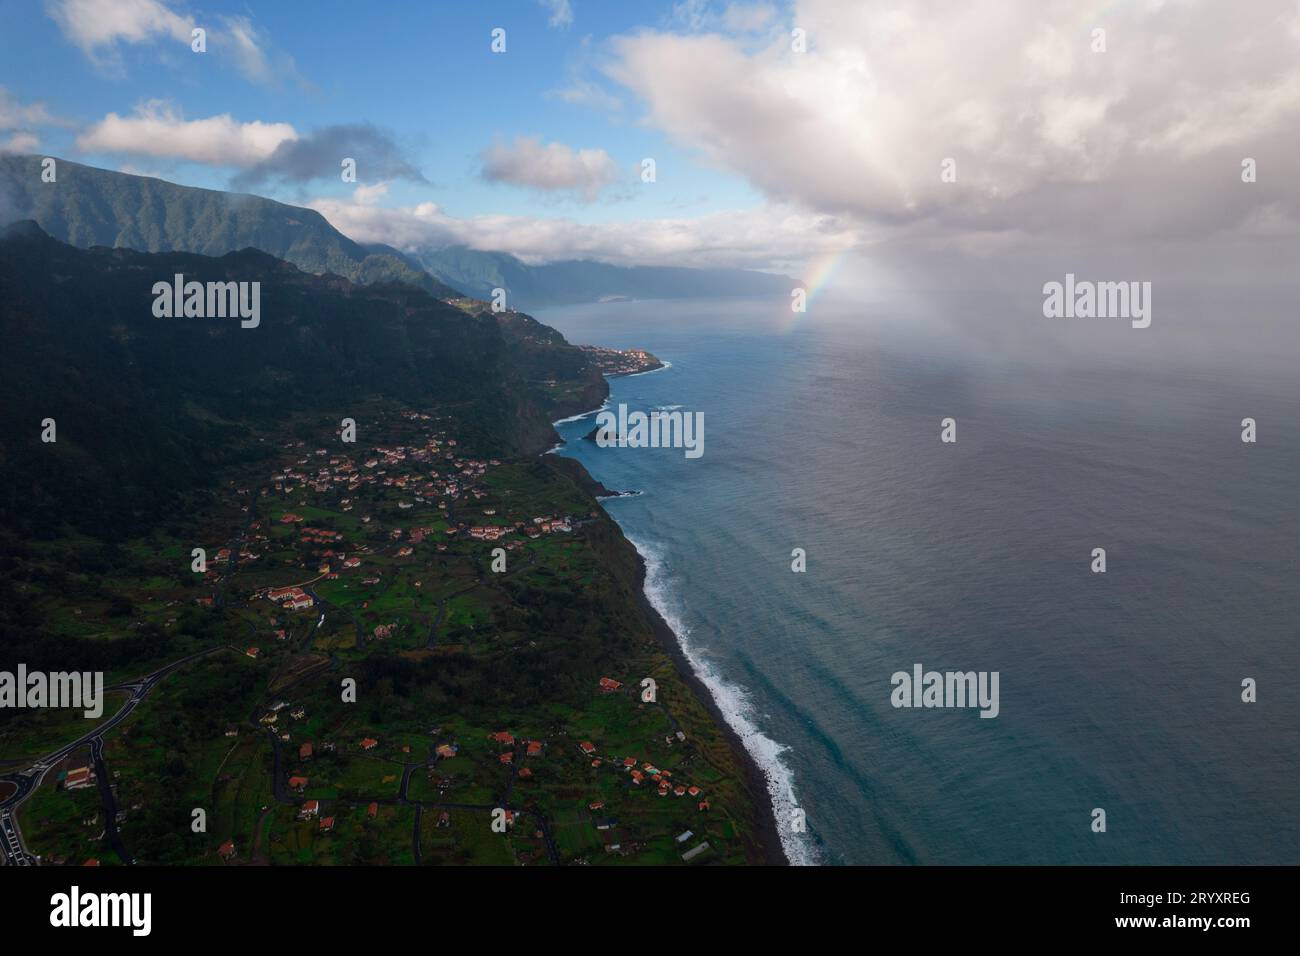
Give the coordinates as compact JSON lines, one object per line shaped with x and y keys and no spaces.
{"x":577,"y":418}
{"x":666,"y":408}
{"x":737,"y":710}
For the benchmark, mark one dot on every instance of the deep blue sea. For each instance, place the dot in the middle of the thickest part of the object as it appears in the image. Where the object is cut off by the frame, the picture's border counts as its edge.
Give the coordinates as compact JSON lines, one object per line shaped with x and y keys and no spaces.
{"x":1119,"y":691}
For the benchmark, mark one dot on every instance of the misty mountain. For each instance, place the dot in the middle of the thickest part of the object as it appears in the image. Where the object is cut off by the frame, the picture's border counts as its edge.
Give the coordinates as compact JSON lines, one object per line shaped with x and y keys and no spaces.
{"x":87,"y":207}
{"x":579,"y":280}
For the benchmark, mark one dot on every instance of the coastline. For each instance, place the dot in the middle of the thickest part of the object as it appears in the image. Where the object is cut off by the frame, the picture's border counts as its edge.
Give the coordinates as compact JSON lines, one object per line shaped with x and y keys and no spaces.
{"x":757,"y":781}
{"x":646,"y":371}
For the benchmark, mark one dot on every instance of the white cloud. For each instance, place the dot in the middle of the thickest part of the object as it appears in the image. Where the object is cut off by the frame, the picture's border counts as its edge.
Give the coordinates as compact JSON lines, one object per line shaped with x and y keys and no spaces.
{"x":158,"y":129}
{"x":748,"y":17}
{"x":92,"y":24}
{"x":20,"y":142}
{"x":551,"y":167}
{"x":249,"y":49}
{"x":19,"y":120}
{"x":583,"y":92}
{"x":16,"y":115}
{"x":561,"y":12}
{"x":769,"y":237}
{"x":369,"y":195}
{"x":1048,"y":136}
{"x":98,"y":26}
{"x":580,"y":88}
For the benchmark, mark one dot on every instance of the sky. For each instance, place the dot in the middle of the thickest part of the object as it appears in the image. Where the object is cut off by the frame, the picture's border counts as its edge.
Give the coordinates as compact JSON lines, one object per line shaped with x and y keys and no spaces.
{"x":796,"y":136}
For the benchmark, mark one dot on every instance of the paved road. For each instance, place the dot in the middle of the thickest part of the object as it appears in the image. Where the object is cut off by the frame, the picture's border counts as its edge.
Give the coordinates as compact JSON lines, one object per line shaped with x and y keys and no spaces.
{"x":12,"y":850}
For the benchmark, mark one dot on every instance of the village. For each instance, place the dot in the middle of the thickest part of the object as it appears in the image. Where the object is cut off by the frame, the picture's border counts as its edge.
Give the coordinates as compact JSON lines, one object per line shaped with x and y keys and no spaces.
{"x":343,"y":562}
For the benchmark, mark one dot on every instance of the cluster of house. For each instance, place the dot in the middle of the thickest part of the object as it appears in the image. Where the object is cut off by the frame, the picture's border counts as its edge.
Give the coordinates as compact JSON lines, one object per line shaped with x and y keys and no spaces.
{"x":311,"y":810}
{"x":539,"y":526}
{"x":340,"y":470}
{"x":620,"y":361}
{"x":662,"y":779}
{"x":298,"y":783}
{"x":449,"y":476}
{"x":458,"y":477}
{"x":646,"y":771}
{"x":548,"y":524}
{"x":532,"y":748}
{"x":293,"y":597}
{"x":272,"y":716}
{"x":317,"y":535}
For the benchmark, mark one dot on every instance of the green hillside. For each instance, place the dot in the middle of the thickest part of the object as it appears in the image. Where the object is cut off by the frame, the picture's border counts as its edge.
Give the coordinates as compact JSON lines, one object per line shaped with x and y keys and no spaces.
{"x":88,"y":207}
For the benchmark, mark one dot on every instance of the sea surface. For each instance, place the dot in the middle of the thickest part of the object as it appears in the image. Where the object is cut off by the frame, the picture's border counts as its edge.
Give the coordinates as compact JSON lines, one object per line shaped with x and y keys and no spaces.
{"x":1120,"y":691}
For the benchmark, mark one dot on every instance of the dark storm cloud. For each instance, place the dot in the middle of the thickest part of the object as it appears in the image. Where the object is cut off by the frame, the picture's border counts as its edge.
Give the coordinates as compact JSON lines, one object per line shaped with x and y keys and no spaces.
{"x":320,"y":154}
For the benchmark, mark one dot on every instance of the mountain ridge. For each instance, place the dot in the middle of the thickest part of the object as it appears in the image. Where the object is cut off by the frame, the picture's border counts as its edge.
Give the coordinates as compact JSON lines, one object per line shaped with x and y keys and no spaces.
{"x":96,"y":355}
{"x":88,"y":206}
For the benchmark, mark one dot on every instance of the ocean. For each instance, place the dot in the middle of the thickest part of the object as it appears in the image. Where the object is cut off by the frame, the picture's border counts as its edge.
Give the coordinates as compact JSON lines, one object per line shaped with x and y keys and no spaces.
{"x":1119,"y":690}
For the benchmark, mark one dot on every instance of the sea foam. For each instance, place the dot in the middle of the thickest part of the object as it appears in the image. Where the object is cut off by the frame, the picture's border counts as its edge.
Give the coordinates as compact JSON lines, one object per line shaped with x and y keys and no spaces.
{"x":737,"y":709}
{"x":579,"y":417}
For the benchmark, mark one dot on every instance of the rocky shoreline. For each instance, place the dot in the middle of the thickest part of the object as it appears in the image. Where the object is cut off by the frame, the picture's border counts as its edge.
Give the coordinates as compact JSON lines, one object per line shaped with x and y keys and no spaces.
{"x":755,"y":782}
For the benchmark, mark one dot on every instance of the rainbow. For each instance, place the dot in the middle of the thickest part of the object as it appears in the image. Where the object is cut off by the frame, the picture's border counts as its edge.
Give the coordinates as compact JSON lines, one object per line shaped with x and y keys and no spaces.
{"x":820,"y":271}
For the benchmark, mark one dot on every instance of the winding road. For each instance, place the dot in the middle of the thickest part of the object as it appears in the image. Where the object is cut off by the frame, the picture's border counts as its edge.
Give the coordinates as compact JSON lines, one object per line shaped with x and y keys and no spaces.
{"x":12,"y":850}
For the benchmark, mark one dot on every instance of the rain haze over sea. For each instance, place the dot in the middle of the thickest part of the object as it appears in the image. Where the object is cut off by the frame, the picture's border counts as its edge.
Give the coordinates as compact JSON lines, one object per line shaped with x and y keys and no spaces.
{"x":1119,"y":691}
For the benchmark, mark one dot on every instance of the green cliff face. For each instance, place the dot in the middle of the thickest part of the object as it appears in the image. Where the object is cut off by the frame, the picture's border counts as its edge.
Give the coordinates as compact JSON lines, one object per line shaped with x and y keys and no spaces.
{"x":98,"y":207}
